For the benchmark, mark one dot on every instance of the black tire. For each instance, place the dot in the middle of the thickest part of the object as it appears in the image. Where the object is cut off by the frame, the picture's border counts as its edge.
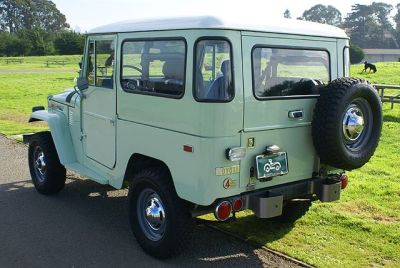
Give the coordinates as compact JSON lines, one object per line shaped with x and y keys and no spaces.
{"x":293,"y":210}
{"x":175,"y":225}
{"x":339,"y":137}
{"x":47,"y":173}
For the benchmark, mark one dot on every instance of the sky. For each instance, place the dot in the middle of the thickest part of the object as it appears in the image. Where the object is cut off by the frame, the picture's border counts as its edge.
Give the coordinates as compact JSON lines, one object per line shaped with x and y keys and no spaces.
{"x":83,"y":15}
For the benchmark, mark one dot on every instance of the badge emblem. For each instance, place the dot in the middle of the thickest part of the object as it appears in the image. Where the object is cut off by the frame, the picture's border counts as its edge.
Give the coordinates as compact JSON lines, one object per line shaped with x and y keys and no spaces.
{"x":229,"y":183}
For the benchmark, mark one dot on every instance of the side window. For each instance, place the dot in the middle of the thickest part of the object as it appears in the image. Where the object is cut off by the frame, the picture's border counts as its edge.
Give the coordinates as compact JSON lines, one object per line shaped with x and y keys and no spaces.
{"x":100,"y":71}
{"x":346,"y":61}
{"x":154,"y":67}
{"x":213,"y":71}
{"x":90,"y":74}
{"x":288,"y":72}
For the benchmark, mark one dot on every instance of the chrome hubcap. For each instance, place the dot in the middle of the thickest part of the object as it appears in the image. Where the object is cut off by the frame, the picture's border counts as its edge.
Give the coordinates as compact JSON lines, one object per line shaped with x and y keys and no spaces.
{"x":353,"y":123}
{"x":155,"y":214}
{"x":40,"y":164}
{"x":151,"y":214}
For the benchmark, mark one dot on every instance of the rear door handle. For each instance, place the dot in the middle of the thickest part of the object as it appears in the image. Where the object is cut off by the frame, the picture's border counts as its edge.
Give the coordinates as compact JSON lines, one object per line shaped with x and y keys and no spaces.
{"x":296,"y":114}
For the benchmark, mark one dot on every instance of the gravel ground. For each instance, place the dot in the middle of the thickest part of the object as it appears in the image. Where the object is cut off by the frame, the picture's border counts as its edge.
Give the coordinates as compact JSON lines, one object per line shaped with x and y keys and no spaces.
{"x":86,"y":226}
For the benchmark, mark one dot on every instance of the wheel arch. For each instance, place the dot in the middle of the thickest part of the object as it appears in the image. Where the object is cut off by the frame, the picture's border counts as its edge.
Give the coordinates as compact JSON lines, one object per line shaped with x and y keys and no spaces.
{"x":138,"y":162}
{"x":59,"y":130}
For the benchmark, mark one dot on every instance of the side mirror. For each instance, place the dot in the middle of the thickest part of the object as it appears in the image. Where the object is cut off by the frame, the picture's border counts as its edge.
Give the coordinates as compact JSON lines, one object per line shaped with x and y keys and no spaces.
{"x":80,"y":65}
{"x":82,"y":83}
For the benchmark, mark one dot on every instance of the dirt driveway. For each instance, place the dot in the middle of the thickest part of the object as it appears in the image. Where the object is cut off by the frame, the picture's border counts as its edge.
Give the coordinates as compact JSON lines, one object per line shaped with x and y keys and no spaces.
{"x":86,"y":226}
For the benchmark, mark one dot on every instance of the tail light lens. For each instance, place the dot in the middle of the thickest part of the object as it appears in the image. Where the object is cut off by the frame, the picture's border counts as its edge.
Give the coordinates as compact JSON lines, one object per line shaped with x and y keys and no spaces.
{"x":344,"y":181}
{"x":237,"y":204}
{"x":223,"y":211}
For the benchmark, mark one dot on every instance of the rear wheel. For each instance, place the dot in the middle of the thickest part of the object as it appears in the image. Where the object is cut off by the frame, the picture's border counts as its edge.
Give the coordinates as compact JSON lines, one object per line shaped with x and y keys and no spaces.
{"x":159,"y":219}
{"x":47,"y":173}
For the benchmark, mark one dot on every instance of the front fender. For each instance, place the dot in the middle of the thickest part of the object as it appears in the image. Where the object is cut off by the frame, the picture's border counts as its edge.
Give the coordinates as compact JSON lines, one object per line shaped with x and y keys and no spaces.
{"x":58,"y":124}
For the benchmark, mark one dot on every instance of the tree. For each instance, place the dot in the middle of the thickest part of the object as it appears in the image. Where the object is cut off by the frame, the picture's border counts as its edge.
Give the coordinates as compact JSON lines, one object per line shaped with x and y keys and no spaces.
{"x":30,"y":14}
{"x":13,"y":14}
{"x":370,"y":24}
{"x":46,"y":16}
{"x":323,"y":14}
{"x":69,"y":43}
{"x":396,"y":18}
{"x":287,"y":14}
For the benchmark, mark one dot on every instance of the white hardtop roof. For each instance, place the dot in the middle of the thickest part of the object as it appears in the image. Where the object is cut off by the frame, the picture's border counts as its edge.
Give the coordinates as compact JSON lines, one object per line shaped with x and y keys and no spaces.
{"x":287,"y":26}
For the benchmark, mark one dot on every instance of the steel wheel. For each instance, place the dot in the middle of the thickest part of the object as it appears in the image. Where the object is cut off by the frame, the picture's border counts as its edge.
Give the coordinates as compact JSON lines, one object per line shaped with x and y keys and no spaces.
{"x":357,"y":124}
{"x":39,"y":164}
{"x":151,"y":214}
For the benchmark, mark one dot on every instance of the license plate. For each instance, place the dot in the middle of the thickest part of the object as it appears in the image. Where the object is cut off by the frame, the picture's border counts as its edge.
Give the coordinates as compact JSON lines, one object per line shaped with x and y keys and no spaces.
{"x":272,"y":165}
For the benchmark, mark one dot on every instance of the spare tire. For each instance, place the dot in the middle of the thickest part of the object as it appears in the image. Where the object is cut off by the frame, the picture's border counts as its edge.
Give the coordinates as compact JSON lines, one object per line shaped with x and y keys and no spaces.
{"x":347,"y":123}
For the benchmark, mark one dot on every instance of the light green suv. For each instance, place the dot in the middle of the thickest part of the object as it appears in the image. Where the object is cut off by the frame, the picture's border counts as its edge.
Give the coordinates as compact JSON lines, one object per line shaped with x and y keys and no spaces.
{"x":204,"y":114}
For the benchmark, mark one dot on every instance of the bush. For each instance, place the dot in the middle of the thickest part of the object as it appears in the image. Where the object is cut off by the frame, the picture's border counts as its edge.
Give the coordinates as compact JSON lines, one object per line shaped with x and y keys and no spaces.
{"x":356,"y":54}
{"x":69,"y":43}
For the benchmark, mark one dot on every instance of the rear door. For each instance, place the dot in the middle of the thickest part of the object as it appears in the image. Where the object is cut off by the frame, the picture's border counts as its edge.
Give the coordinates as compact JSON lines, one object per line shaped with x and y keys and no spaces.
{"x":281,"y":77}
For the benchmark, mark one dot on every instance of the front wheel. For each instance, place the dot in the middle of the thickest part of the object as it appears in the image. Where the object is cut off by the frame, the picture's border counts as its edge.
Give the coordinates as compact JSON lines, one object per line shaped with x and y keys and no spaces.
{"x":159,"y":219}
{"x":47,"y":173}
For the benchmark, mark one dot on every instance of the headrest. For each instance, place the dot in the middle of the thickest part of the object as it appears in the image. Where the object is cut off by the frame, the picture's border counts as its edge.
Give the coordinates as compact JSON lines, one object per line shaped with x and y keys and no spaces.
{"x":226,"y":67}
{"x":174,"y":69}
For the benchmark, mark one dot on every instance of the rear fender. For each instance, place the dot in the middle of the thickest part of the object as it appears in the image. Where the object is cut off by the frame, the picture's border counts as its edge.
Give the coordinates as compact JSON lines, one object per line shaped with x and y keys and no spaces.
{"x":58,"y":124}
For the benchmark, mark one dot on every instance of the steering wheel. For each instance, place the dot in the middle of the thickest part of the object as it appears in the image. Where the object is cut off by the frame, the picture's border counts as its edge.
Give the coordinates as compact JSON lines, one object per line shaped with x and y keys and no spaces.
{"x":133,"y":67}
{"x":133,"y":84}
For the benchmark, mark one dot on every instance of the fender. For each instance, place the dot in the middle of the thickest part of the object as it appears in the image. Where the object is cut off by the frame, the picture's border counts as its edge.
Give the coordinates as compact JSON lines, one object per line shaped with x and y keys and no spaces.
{"x":58,"y":125}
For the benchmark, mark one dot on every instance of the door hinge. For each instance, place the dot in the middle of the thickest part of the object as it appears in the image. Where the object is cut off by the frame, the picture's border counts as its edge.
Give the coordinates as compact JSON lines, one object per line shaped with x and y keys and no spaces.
{"x":83,"y":136}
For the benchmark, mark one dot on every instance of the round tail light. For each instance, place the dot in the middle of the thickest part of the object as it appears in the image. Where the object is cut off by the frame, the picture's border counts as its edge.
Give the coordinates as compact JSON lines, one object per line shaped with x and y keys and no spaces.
{"x":223,"y":211}
{"x":237,"y":204}
{"x":344,"y":181}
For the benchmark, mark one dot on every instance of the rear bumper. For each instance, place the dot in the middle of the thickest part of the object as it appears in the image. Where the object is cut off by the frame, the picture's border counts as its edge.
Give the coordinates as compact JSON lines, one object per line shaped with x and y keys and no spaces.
{"x":268,"y":203}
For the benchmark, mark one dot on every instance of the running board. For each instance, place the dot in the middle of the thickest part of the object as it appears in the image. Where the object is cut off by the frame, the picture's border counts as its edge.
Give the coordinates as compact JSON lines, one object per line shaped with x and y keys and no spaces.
{"x":86,"y":172}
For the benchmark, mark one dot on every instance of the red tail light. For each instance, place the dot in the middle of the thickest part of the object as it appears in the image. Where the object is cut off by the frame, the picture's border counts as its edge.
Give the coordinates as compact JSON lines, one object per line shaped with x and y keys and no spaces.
{"x":237,"y":204}
{"x":223,"y":211}
{"x":344,"y":181}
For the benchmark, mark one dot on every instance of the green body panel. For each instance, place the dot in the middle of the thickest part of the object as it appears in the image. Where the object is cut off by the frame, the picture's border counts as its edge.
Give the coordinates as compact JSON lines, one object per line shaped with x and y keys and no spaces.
{"x":98,"y":134}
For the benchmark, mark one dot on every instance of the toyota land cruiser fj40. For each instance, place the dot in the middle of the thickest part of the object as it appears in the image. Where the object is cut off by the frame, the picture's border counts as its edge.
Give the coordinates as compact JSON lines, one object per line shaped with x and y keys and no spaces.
{"x":204,"y":114}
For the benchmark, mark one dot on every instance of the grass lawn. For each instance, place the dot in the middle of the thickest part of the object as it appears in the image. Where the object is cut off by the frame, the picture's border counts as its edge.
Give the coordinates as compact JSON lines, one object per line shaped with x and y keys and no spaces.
{"x":40,"y":63}
{"x":360,"y":230}
{"x":21,"y":91}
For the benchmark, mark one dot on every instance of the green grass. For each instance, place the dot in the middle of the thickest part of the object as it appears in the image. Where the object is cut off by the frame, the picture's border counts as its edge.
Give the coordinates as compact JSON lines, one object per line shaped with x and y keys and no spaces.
{"x":39,"y":63}
{"x":21,"y":91}
{"x":360,"y":230}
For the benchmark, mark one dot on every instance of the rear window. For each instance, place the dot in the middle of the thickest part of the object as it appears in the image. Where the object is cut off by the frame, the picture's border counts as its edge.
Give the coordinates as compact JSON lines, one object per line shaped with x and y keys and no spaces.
{"x":285,"y":72}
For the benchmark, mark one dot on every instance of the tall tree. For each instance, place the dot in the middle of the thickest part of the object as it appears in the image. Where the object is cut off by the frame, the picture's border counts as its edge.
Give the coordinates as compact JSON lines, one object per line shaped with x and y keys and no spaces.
{"x":287,"y":14}
{"x":323,"y":14}
{"x":30,"y":14}
{"x":370,"y":25}
{"x":396,"y":18}
{"x":46,"y":16}
{"x":13,"y":14}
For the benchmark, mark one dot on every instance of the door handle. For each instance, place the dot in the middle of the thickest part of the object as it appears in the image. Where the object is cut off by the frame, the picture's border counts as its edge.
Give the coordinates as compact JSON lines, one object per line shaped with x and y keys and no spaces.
{"x":296,"y":114}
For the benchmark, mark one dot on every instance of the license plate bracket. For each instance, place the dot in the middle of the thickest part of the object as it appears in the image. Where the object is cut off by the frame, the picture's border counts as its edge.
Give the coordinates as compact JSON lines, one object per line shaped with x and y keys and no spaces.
{"x":272,"y":165}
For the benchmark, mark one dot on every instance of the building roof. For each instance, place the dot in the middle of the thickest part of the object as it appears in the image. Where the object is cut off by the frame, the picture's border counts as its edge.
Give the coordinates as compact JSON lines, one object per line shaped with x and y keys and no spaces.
{"x":381,"y":51}
{"x":288,"y":26}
